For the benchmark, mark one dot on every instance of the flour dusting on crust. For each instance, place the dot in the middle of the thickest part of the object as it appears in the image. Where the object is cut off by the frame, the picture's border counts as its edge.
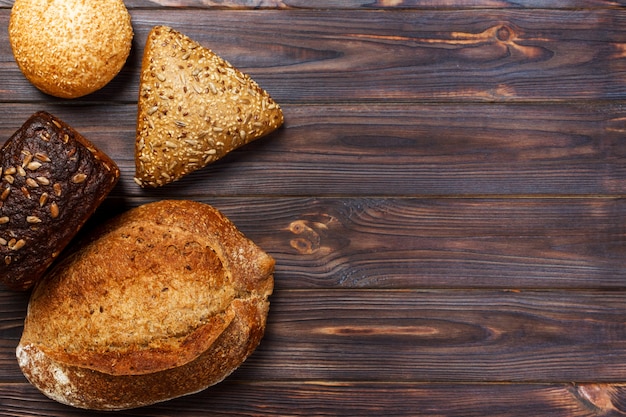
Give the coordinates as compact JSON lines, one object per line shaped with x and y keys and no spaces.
{"x":43,"y":372}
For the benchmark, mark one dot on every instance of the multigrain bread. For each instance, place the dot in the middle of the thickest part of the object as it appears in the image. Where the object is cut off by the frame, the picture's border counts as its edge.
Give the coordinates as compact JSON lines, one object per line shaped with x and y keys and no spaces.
{"x":70,"y":48}
{"x":163,"y":301}
{"x":52,"y":181}
{"x":193,"y":109}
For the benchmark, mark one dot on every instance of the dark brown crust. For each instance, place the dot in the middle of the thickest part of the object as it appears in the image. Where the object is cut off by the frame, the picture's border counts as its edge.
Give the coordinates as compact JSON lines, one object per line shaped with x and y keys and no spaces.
{"x":53,"y":179}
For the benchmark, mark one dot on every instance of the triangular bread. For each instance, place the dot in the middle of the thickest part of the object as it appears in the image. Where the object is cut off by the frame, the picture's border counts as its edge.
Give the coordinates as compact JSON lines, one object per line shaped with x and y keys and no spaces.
{"x":193,"y":108}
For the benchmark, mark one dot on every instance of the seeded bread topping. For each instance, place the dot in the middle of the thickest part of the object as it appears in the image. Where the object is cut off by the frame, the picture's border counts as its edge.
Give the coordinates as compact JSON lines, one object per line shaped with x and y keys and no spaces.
{"x":52,"y":180}
{"x":194,"y":108}
{"x":70,"y":48}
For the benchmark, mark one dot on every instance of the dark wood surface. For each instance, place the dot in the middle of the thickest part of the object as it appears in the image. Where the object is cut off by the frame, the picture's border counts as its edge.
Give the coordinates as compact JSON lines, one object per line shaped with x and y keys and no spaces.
{"x":445,"y":203}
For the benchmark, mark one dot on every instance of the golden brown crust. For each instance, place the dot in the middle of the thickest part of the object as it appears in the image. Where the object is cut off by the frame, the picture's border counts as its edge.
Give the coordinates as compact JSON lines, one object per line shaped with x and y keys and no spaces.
{"x":70,"y":48}
{"x":85,"y":388}
{"x":165,"y":300}
{"x":193,"y":108}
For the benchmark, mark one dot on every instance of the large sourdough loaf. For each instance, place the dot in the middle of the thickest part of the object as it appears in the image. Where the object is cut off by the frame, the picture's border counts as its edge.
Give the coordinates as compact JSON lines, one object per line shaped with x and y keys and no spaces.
{"x":163,"y":301}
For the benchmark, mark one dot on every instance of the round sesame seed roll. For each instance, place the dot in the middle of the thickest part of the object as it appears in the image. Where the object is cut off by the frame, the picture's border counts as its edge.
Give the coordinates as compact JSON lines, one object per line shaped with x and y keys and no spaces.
{"x":70,"y":48}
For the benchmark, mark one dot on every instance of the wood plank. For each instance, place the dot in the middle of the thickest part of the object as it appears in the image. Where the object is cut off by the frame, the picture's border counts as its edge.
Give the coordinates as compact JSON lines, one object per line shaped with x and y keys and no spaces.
{"x":348,"y":399}
{"x":365,"y":4}
{"x":431,"y":336}
{"x":506,"y":55}
{"x":326,"y":243}
{"x":443,"y":336}
{"x":438,"y":243}
{"x":388,"y":150}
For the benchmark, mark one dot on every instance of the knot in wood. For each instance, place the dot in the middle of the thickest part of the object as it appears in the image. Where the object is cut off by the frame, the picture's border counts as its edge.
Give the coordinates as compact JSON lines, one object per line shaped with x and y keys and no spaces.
{"x":308,"y":240}
{"x":504,"y":34}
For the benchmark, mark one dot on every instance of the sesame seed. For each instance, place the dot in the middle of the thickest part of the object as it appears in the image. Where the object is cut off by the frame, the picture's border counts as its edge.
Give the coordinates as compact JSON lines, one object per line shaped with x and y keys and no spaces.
{"x":4,"y":220}
{"x":5,"y":193}
{"x":7,"y":260}
{"x":33,"y":219}
{"x":160,"y":77}
{"x":57,"y":124}
{"x":10,"y":171}
{"x":43,"y":199}
{"x":3,"y":242}
{"x":43,"y":180}
{"x":9,"y":179}
{"x":21,"y":172}
{"x":57,"y":189}
{"x":197,"y":89}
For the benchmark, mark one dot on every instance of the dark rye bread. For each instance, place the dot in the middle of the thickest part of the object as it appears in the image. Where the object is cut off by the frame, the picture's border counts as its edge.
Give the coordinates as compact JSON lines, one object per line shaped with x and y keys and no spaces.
{"x":52,"y":180}
{"x":162,"y":301}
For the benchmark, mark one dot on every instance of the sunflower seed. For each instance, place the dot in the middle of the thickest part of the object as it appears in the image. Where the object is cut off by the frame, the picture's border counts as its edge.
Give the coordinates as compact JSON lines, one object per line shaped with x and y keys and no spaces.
{"x":79,"y":178}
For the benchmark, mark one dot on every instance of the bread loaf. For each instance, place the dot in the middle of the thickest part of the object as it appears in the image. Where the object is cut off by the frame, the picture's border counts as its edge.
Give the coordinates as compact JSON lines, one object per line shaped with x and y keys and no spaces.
{"x":70,"y":48}
{"x":193,"y":109}
{"x":52,"y":180}
{"x":163,"y":301}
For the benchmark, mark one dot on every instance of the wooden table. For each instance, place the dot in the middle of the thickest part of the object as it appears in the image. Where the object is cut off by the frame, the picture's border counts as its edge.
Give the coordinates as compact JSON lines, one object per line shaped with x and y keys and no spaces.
{"x":445,"y":203}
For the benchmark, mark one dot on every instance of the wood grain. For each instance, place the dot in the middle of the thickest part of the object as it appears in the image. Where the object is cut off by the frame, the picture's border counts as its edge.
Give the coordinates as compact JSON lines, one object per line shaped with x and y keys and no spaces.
{"x":445,"y":204}
{"x":431,"y":336}
{"x":389,"y":150}
{"x":316,"y":56}
{"x":347,"y":399}
{"x":422,"y":243}
{"x":364,"y":4}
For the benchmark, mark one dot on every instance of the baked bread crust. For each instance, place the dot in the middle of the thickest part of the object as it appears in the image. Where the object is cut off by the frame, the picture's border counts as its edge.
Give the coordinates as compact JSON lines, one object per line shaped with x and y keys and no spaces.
{"x":70,"y":48}
{"x":163,"y":301}
{"x":52,"y":181}
{"x":193,"y":109}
